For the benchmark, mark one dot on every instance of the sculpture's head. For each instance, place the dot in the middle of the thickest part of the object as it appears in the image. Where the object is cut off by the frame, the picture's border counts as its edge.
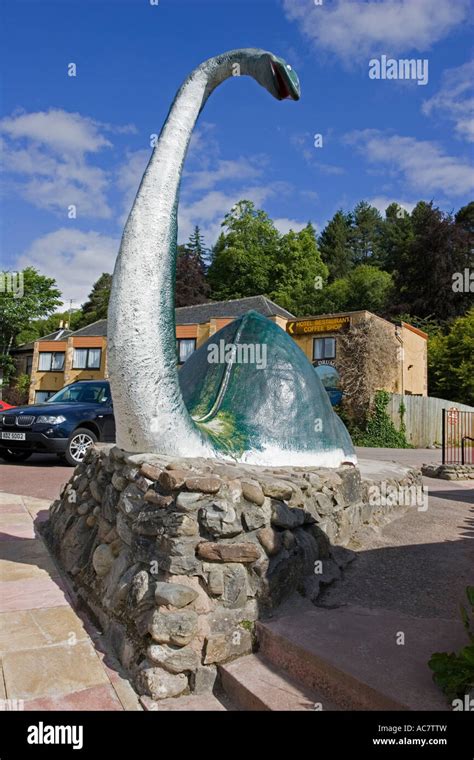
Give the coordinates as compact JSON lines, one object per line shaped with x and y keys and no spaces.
{"x":279,"y":78}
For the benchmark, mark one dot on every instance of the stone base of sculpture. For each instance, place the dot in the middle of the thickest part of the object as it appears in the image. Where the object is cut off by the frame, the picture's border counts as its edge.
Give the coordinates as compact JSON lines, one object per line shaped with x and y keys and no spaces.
{"x":177,"y":559}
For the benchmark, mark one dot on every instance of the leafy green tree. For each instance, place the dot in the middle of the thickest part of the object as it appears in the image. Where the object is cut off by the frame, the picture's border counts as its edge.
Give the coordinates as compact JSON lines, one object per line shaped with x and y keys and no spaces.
{"x":34,"y":296}
{"x":244,"y":255}
{"x":369,"y":288}
{"x":333,"y":297}
{"x":299,"y":273}
{"x":366,"y":233}
{"x":451,"y":361}
{"x":335,"y":245}
{"x":38,"y":328}
{"x":366,"y":287}
{"x":97,"y":304}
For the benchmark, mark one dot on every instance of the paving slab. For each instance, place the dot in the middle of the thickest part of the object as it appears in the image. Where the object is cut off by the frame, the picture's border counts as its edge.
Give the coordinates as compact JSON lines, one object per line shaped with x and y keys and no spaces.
{"x":25,"y":559}
{"x":48,"y":655}
{"x":31,"y":629}
{"x":95,"y":698}
{"x":31,"y":593}
{"x":14,"y":526}
{"x":52,"y":671}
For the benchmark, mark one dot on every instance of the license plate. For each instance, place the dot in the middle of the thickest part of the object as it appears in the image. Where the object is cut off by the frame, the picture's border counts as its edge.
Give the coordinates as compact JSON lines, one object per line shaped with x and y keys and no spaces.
{"x":13,"y":436}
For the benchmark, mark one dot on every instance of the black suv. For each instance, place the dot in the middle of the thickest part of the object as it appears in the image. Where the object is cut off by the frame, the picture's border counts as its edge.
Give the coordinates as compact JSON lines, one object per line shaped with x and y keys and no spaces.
{"x":67,"y":424}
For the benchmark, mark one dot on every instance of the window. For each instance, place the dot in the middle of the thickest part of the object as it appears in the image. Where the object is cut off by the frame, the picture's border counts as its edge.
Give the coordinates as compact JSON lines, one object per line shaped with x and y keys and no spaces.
{"x":186,"y":346}
{"x":85,"y":392}
{"x":42,"y":396}
{"x":324,"y":348}
{"x":29,"y":365}
{"x":51,"y":361}
{"x":86,"y":358}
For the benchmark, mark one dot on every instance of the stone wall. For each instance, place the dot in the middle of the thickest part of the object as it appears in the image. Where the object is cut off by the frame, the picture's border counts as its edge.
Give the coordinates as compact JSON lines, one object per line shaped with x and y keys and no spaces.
{"x":177,"y":559}
{"x":449,"y":471}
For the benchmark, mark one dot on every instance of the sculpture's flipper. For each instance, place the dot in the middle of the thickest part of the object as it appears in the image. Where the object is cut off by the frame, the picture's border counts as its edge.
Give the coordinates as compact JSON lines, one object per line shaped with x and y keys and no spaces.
{"x":253,"y":391}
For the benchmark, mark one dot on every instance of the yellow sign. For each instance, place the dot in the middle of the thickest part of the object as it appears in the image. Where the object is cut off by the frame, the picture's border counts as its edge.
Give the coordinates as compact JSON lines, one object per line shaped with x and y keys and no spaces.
{"x":325,"y":324}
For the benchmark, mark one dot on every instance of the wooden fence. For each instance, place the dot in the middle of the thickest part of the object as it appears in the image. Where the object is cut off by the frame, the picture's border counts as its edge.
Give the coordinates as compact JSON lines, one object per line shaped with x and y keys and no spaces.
{"x":423,"y":417}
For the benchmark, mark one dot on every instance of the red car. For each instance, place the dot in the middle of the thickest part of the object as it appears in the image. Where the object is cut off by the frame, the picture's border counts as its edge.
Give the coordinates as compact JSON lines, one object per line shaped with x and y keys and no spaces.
{"x":4,"y":406}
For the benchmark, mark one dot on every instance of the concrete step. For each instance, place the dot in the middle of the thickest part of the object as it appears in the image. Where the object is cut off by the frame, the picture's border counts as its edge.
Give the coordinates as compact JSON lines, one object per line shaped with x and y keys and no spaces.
{"x":253,"y":683}
{"x":198,"y":703}
{"x":351,"y":654}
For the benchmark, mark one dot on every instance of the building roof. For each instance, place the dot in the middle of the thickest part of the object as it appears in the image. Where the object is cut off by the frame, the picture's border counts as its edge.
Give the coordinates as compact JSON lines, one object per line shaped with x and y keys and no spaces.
{"x":95,"y":329}
{"x":203,"y":312}
{"x":59,"y":334}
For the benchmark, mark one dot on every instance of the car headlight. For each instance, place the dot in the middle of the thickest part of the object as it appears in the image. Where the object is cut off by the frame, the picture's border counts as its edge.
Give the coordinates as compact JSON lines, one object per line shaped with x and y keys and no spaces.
{"x":51,"y":419}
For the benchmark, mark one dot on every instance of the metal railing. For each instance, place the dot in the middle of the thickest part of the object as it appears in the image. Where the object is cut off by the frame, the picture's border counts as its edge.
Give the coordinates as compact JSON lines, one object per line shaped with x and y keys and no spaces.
{"x":458,"y":436}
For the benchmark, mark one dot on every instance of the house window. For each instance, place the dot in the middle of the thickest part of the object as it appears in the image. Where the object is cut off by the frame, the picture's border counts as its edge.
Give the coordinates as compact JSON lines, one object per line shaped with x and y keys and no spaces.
{"x":186,"y":346}
{"x":42,"y":396}
{"x":86,"y":358}
{"x":29,"y":365}
{"x":324,"y":348}
{"x":51,"y":361}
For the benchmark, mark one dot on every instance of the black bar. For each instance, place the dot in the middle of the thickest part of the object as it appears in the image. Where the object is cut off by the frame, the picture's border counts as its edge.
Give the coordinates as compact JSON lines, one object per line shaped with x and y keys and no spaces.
{"x":464,"y":438}
{"x":443,"y":435}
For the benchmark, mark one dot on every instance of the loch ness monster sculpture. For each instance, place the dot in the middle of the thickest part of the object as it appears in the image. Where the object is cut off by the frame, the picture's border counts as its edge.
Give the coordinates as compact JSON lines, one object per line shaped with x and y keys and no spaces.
{"x":273,"y":413}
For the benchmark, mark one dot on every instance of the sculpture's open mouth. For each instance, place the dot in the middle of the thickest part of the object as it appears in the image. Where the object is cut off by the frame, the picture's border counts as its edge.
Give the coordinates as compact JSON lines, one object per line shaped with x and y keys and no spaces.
{"x":285,"y":86}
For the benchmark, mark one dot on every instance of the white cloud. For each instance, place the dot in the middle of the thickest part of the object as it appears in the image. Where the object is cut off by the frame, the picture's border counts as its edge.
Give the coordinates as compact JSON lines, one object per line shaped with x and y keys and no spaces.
{"x":74,"y":258}
{"x":202,"y":202}
{"x":356,"y":30}
{"x":421,"y":164}
{"x":62,"y":132}
{"x":128,"y":178}
{"x":304,"y":144}
{"x":223,"y":170}
{"x":46,"y":155}
{"x":284,"y":225}
{"x":455,"y":100}
{"x":381,"y":203}
{"x":209,"y":210}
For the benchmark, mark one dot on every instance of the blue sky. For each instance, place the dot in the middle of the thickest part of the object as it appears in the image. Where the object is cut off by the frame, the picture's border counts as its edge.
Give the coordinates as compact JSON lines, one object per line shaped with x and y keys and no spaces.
{"x":85,"y":140}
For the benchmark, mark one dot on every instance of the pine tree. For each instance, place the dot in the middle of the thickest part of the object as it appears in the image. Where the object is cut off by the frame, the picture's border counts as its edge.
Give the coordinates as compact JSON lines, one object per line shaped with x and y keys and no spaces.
{"x":465,"y":217}
{"x":191,"y":284}
{"x":97,"y":304}
{"x":366,"y":233}
{"x":335,"y":245}
{"x":196,"y":245}
{"x":395,"y":239}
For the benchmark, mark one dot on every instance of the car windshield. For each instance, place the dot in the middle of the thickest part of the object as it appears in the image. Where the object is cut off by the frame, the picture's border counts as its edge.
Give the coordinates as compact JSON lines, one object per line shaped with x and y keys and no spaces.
{"x":92,"y":393}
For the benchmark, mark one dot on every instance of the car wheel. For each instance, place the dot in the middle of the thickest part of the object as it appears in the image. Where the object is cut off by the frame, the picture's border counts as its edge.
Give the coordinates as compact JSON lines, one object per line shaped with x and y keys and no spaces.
{"x":14,"y":455}
{"x":78,"y":444}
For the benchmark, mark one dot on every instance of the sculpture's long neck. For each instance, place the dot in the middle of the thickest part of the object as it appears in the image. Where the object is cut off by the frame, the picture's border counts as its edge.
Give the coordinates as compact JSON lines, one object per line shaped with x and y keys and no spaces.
{"x":142,"y":342}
